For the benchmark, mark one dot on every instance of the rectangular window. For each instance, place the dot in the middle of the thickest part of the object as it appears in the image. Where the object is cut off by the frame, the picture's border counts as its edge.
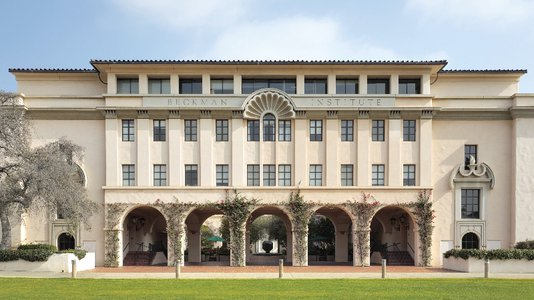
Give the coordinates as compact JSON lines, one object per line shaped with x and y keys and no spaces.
{"x":378,"y":175}
{"x":408,"y":175}
{"x":190,"y":132}
{"x":160,"y":175}
{"x":269,"y":128}
{"x":470,"y":203}
{"x":191,"y":86}
{"x":347,"y":175}
{"x":347,"y":130}
{"x":346,"y":86}
{"x":221,"y":129}
{"x":191,"y":175}
{"x":316,"y":130}
{"x":159,"y":86}
{"x":315,"y":86}
{"x":128,"y":130}
{"x":269,"y":175}
{"x":127,"y":86}
{"x":316,"y":175}
{"x":408,"y":130}
{"x":128,"y":175}
{"x":221,"y":175}
{"x":284,"y":175}
{"x":378,"y":131}
{"x":470,"y":150}
{"x":284,"y":130}
{"x":160,"y":131}
{"x":377,"y":86}
{"x":253,"y":131}
{"x":222,"y":86}
{"x":251,"y":85}
{"x":409,"y":86}
{"x":253,"y":175}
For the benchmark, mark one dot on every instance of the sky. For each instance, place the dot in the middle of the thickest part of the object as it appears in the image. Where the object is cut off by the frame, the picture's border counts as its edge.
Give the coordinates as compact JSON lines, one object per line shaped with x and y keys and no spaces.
{"x":469,"y":34}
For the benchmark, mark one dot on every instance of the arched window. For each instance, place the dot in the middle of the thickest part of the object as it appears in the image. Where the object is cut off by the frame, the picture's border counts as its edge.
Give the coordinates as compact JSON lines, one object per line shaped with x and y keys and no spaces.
{"x":470,"y":241}
{"x":269,"y":128}
{"x":65,"y":241}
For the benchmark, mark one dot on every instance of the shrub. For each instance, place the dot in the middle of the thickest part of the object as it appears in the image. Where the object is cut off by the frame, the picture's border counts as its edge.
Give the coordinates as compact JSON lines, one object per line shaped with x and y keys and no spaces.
{"x":497,"y":254}
{"x":527,"y":244}
{"x":38,"y":246}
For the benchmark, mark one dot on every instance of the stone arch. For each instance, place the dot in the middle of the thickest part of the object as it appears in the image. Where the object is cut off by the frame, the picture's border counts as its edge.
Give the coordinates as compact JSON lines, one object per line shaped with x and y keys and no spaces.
{"x":268,"y":100}
{"x":193,"y":221}
{"x":64,"y":238}
{"x":280,"y":212}
{"x":132,"y":207}
{"x":476,"y":235}
{"x":342,"y":221}
{"x":399,"y":239}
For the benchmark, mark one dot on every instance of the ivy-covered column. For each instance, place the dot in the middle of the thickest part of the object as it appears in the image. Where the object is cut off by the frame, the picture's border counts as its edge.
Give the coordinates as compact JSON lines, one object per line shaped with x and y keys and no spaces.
{"x":237,"y":210}
{"x":112,"y":234}
{"x":300,"y":213}
{"x":363,"y":212}
{"x":424,"y":218}
{"x":175,"y":214}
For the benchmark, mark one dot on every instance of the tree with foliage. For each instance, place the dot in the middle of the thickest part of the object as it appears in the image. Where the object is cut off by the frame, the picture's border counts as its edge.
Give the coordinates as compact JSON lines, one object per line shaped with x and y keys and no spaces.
{"x":205,"y":234}
{"x":40,"y":179}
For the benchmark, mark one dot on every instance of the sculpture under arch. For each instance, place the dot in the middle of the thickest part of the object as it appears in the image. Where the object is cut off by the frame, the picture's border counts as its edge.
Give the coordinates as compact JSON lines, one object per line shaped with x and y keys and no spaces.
{"x":268,"y":101}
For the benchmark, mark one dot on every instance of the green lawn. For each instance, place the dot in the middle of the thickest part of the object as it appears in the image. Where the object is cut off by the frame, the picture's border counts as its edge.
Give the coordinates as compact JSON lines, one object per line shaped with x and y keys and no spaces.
{"x":26,"y":288}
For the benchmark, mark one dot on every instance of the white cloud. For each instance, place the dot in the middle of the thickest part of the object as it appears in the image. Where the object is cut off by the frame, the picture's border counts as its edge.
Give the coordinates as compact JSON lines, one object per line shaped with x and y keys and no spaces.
{"x":185,"y":14}
{"x":297,"y":37}
{"x":483,"y":13}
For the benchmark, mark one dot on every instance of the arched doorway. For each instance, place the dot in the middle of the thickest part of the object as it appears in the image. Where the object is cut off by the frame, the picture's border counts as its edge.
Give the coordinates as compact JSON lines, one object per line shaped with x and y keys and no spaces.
{"x":470,"y":241}
{"x":144,"y":237}
{"x":204,"y":239}
{"x":65,"y":241}
{"x":330,"y":236}
{"x":275,"y":217}
{"x":393,"y":237}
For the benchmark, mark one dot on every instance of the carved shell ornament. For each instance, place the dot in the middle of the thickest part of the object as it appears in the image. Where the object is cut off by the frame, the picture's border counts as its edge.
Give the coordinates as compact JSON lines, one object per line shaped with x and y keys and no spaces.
{"x":268,"y":101}
{"x":481,"y":170}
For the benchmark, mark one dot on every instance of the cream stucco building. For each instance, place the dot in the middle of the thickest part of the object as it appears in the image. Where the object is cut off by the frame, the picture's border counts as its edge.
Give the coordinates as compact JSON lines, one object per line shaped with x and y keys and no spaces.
{"x":157,"y":131}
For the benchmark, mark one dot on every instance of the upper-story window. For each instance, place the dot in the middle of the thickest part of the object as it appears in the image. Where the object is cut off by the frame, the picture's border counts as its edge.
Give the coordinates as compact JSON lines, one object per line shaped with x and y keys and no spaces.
{"x":127,"y":86}
{"x":190,"y":132}
{"x":269,"y":175}
{"x":284,"y":130}
{"x":128,"y":130}
{"x":253,"y":130}
{"x":377,"y":133}
{"x":315,"y":86}
{"x":222,"y":86}
{"x":221,"y":130}
{"x":190,"y":85}
{"x":408,"y":175}
{"x":408,"y":130}
{"x":347,"y":174}
{"x":377,"y":86}
{"x":221,"y":175}
{"x":191,"y":175}
{"x":128,"y":175}
{"x":250,"y":85}
{"x":316,"y":130}
{"x":159,"y":86}
{"x":284,"y":175}
{"x":377,"y":178}
{"x":316,"y":175}
{"x":470,"y":150}
{"x":253,"y":175}
{"x":160,"y":175}
{"x":160,"y":130}
{"x":347,"y":130}
{"x":409,"y":86}
{"x":269,"y":128}
{"x":347,"y":86}
{"x":470,"y":203}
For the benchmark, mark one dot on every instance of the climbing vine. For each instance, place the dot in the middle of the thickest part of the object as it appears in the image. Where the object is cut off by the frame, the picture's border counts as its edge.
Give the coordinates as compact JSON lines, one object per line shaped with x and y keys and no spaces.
{"x":237,"y":209}
{"x":175,"y":213}
{"x":112,"y":251}
{"x":424,"y":217}
{"x":300,"y":213}
{"x":363,"y":212}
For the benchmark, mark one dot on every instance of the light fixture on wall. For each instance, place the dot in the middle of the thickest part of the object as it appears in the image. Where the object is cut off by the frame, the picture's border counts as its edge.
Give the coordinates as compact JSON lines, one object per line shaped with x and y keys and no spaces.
{"x":402,"y":221}
{"x":138,"y":222}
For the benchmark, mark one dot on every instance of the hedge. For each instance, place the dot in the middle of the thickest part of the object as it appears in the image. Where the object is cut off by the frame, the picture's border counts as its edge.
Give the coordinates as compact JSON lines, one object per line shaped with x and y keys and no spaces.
{"x":497,"y":254}
{"x":528,"y":244}
{"x":36,"y":252}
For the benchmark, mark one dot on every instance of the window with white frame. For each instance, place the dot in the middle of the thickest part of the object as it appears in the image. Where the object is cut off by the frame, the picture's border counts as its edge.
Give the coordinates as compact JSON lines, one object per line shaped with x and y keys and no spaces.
{"x":347,"y":130}
{"x":284,"y":175}
{"x":470,"y":205}
{"x":221,"y":130}
{"x":408,"y":130}
{"x":159,"y":86}
{"x":377,"y":134}
{"x":160,"y":175}
{"x":269,"y":175}
{"x":269,"y":128}
{"x":127,"y":86}
{"x":253,"y":130}
{"x":191,"y":175}
{"x":378,"y":175}
{"x":316,"y":130}
{"x":160,"y":130}
{"x":284,"y":130}
{"x":253,"y":175}
{"x":222,"y":86}
{"x":128,"y":130}
{"x":128,"y":175}
{"x":347,"y":174}
{"x":316,"y":175}
{"x":221,"y":176}
{"x":190,"y":132}
{"x":408,"y":175}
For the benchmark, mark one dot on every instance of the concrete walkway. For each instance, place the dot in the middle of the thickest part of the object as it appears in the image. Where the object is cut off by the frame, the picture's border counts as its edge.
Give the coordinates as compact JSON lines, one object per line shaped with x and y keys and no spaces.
{"x":265,"y":272}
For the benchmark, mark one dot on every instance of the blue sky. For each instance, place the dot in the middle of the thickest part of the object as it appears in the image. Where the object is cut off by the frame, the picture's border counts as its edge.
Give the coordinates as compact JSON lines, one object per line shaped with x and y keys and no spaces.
{"x":473,"y":34}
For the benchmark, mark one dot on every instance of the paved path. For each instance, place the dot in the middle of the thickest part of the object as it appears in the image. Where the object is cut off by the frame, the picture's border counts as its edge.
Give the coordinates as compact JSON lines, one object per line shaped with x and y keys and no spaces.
{"x":265,"y":272}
